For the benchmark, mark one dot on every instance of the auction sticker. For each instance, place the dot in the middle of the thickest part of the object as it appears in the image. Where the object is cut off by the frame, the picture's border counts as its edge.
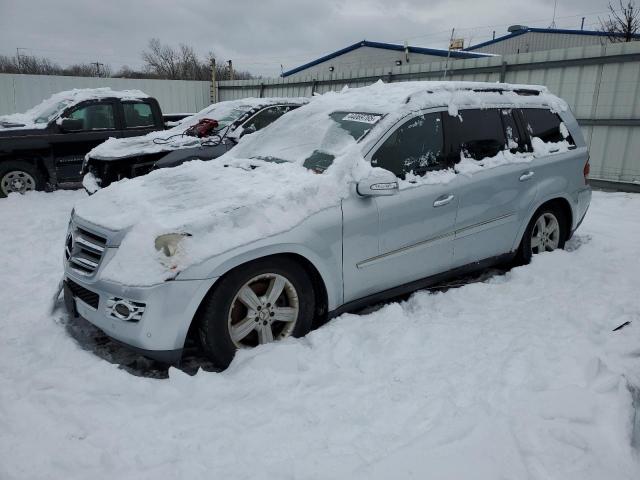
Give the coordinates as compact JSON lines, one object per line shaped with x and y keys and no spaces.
{"x":362,"y":117}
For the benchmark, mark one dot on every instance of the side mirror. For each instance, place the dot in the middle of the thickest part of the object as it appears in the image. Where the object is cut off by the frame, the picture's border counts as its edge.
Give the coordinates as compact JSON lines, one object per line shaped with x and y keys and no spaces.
{"x":378,"y":184}
{"x":71,"y":124}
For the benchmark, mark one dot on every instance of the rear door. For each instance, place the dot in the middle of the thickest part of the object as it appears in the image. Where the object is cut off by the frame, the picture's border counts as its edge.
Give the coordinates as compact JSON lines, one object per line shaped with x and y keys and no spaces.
{"x":494,"y":196}
{"x":97,"y":121}
{"x":139,"y":117}
{"x":393,"y":240}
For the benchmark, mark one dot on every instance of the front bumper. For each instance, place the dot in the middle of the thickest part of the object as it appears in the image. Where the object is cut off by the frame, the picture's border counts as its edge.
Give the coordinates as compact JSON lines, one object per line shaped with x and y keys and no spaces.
{"x":161,"y":331}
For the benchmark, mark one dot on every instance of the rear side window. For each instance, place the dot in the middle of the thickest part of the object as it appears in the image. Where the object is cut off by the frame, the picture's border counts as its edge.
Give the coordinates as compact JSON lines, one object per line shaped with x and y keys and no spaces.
{"x":415,"y":146}
{"x":137,"y":115}
{"x":545,"y":125}
{"x":477,"y":134}
{"x":515,"y":140}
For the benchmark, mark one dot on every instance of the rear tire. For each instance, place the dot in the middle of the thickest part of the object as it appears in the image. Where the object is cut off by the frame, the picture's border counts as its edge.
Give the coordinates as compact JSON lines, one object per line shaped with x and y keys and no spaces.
{"x":260,"y":302}
{"x":18,"y":176}
{"x":546,"y":232}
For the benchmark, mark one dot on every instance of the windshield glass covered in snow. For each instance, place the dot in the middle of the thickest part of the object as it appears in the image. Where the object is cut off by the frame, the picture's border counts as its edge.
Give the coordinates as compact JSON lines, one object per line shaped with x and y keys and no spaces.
{"x":356,"y":124}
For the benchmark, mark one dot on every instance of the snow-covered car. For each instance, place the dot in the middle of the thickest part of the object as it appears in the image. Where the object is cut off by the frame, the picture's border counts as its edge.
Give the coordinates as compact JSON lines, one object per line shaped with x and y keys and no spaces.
{"x":45,"y":146}
{"x":357,"y":197}
{"x":116,"y":159}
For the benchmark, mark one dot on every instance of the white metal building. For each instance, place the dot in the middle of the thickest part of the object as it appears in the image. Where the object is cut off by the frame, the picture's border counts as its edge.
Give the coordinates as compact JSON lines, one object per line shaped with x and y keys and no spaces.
{"x":523,"y":39}
{"x":368,"y":55}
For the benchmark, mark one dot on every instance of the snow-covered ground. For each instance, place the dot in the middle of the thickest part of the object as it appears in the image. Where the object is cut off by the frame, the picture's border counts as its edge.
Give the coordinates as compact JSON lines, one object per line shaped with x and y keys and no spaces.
{"x":517,"y":376}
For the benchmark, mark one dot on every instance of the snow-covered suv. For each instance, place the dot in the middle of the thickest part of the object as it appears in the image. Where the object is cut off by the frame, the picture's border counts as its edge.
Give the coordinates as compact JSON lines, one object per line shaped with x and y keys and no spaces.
{"x":356,"y":197}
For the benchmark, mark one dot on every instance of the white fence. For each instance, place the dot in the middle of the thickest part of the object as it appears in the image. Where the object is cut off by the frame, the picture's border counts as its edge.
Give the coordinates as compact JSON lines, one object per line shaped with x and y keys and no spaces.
{"x":601,"y":84}
{"x":18,"y":93}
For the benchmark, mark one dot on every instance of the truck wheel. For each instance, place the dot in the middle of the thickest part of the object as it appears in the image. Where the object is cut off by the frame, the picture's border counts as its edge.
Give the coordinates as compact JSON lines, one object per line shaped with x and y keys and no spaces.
{"x":19,"y":177}
{"x":261,"y":302}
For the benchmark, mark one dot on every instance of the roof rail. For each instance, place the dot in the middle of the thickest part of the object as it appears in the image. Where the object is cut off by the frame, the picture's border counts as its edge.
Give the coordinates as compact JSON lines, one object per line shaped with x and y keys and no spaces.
{"x":517,"y":91}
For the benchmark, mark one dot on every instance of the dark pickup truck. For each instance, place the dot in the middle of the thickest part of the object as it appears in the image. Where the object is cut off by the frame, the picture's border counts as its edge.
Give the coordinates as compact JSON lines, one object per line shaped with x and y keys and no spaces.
{"x":43,"y":148}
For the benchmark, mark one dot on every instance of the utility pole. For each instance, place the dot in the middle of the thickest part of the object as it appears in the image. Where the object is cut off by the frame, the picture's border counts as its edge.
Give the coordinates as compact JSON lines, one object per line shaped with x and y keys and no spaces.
{"x":18,"y":58}
{"x":98,"y":65}
{"x":230,"y":70}
{"x":446,"y":65}
{"x":213,"y":94}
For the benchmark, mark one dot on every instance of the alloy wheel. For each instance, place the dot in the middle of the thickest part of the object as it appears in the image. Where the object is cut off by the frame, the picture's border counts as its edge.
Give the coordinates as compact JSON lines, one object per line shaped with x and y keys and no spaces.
{"x":545,"y":235}
{"x":265,"y":309}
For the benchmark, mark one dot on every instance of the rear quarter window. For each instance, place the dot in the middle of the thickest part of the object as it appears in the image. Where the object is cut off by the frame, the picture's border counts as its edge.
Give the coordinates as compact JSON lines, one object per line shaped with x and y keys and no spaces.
{"x":545,"y":125}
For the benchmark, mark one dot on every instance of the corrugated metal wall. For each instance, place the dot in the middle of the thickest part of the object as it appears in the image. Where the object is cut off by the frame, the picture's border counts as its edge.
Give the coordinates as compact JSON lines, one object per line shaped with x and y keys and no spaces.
{"x":18,"y":93}
{"x":600,"y":83}
{"x":537,"y":41}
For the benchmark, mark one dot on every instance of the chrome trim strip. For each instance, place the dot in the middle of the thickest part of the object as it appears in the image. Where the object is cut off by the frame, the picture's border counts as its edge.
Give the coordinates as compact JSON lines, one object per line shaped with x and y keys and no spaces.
{"x":455,"y":234}
{"x":81,"y":240}
{"x":486,"y":222}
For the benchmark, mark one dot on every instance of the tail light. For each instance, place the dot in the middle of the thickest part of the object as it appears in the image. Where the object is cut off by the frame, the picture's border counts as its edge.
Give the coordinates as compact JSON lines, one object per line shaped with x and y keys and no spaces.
{"x":585,"y":171}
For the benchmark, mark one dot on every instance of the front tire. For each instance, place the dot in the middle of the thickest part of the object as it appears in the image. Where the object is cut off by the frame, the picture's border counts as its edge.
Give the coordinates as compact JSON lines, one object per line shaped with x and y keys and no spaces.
{"x":260,"y":302}
{"x":546,"y":232}
{"x":19,"y":177}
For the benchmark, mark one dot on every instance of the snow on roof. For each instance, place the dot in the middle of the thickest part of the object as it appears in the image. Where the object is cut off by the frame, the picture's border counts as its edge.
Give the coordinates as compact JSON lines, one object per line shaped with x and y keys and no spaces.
{"x":49,"y":109}
{"x":230,"y":110}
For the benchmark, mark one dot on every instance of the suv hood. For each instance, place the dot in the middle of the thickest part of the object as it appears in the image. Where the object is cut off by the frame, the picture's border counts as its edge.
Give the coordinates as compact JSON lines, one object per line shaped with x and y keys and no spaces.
{"x":221,"y":205}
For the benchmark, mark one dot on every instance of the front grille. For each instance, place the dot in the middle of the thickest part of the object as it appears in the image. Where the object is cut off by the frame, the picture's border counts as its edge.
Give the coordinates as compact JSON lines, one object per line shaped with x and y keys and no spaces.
{"x":87,"y":296}
{"x":84,"y":250}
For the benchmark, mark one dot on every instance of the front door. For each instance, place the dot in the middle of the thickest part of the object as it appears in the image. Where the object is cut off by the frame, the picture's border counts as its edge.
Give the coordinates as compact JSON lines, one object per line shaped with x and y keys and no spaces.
{"x":394,"y":240}
{"x":95,"y":122}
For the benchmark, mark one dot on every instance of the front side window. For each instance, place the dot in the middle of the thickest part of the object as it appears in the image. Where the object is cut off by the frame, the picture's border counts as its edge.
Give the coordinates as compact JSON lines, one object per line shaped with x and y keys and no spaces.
{"x":545,"y":125}
{"x":266,"y":117}
{"x":95,"y":117}
{"x":415,"y":147}
{"x":137,"y":114}
{"x":475,"y":134}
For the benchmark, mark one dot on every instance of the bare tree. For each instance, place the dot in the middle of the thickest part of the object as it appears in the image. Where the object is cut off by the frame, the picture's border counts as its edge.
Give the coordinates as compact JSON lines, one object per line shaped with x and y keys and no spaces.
{"x":182,"y":63}
{"x":622,"y":25}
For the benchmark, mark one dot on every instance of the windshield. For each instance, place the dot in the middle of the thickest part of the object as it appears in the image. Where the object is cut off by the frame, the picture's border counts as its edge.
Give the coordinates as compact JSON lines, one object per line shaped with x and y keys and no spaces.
{"x":50,"y":112}
{"x":222,"y":112}
{"x":317,"y":153}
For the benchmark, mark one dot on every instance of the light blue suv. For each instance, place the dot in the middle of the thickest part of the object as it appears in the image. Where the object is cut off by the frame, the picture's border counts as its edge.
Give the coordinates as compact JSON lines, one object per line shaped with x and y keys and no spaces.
{"x":355,"y":198}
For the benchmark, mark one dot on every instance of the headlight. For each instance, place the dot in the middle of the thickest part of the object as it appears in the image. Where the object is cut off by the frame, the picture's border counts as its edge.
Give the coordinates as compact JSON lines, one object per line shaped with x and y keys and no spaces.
{"x":169,"y":243}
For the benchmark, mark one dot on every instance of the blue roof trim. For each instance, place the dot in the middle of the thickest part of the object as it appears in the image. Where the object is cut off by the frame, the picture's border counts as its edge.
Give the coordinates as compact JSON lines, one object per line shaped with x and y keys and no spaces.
{"x":386,"y":46}
{"x":545,"y":30}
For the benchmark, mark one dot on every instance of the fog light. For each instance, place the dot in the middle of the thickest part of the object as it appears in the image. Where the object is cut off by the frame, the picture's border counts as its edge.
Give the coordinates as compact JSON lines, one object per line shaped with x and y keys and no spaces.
{"x":126,"y":310}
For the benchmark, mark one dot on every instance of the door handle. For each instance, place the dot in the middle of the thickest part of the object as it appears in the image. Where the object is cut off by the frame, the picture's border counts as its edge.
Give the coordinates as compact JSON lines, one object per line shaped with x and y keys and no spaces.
{"x":443,"y":200}
{"x":526,"y":176}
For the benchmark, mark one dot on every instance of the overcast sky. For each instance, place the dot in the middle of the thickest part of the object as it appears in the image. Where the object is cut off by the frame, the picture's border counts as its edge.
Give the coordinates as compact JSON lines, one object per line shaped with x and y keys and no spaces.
{"x":259,"y":36}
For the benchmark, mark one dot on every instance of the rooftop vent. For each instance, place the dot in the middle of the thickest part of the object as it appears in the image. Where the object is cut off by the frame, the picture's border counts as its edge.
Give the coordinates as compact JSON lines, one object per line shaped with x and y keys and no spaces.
{"x":517,"y":28}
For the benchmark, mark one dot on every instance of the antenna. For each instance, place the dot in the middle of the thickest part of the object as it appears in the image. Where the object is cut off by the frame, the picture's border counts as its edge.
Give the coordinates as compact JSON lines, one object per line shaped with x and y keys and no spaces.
{"x":553,"y":20}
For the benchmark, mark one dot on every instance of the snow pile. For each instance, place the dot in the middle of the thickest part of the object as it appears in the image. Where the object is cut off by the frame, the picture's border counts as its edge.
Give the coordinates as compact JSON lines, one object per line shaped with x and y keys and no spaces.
{"x":174,"y":138}
{"x":518,"y":376}
{"x":220,"y":206}
{"x":42,"y":114}
{"x":224,"y":204}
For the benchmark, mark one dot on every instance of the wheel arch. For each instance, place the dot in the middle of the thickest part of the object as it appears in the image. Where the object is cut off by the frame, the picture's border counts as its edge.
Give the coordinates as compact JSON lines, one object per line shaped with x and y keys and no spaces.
{"x":322,"y":294}
{"x":558,"y":202}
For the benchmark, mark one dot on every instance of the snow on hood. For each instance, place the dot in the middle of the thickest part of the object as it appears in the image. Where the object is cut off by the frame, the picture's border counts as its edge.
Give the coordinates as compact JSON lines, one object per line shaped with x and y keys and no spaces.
{"x":229,"y":202}
{"x":172,"y":139}
{"x":42,"y":114}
